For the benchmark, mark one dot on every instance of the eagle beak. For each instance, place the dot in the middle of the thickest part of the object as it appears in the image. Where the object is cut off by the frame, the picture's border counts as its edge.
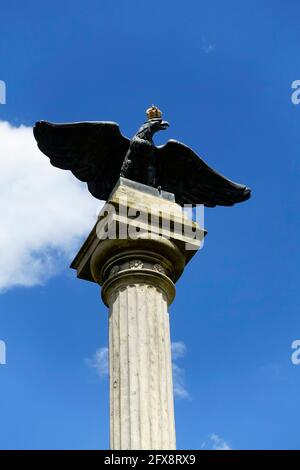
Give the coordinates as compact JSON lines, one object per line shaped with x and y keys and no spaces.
{"x":164,"y":125}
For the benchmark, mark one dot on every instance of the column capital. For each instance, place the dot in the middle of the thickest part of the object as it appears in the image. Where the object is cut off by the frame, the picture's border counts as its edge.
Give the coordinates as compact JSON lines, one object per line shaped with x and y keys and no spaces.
{"x":137,"y":251}
{"x":139,"y":232}
{"x":134,"y":265}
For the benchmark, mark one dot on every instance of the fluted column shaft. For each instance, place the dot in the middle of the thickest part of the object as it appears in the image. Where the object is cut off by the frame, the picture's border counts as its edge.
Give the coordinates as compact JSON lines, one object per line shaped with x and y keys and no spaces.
{"x":141,"y":395}
{"x":137,"y":286}
{"x":137,"y":251}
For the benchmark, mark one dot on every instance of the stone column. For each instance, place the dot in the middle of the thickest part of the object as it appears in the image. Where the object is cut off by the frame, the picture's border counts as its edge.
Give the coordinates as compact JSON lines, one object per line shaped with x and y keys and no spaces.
{"x":138,"y":292}
{"x":137,"y":275}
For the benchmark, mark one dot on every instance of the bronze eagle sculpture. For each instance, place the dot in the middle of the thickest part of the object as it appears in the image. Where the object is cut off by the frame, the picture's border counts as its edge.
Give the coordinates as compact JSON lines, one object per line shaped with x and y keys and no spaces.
{"x":97,"y":153}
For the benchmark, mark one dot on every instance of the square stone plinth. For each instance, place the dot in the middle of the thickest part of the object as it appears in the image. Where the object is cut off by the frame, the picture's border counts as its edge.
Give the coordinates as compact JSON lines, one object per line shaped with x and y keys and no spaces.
{"x":140,"y":216}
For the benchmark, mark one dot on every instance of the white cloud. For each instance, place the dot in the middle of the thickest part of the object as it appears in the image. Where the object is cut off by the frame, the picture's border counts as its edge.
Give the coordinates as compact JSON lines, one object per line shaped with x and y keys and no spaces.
{"x":215,"y":442}
{"x":207,"y":47}
{"x":273,"y":372}
{"x":99,"y":362}
{"x":178,"y":350}
{"x":179,"y":388}
{"x":44,"y":212}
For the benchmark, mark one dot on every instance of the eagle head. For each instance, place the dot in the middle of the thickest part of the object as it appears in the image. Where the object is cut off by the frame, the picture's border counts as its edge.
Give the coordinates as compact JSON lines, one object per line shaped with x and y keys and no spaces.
{"x":150,"y":127}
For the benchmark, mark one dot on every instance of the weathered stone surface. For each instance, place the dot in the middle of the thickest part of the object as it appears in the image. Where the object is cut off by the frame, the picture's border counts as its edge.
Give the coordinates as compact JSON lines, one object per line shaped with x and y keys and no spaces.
{"x":137,"y":276}
{"x":170,"y":230}
{"x":141,"y":396}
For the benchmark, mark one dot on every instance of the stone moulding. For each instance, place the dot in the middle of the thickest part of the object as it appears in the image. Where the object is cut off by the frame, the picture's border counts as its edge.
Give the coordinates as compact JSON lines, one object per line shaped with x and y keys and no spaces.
{"x":173,"y":248}
{"x":138,"y":276}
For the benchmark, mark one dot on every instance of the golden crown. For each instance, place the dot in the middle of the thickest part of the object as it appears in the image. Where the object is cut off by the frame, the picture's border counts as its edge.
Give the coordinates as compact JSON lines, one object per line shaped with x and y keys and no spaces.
{"x":154,"y":113}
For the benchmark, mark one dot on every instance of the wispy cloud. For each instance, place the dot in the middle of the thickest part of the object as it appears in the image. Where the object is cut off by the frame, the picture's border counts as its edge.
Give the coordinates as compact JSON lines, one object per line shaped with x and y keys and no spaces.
{"x":179,"y":350}
{"x":215,"y":442}
{"x":206,"y":46}
{"x":179,"y":387}
{"x":44,"y":211}
{"x":99,"y":362}
{"x":273,"y":372}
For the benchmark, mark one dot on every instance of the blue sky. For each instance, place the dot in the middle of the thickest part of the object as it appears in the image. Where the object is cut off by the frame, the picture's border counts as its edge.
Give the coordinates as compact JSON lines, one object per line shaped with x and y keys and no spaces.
{"x":222,"y":74}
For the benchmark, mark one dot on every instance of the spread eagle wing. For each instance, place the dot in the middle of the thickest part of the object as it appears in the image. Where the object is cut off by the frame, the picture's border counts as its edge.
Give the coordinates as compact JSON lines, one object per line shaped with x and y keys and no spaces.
{"x":182,"y":172}
{"x":93,"y":151}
